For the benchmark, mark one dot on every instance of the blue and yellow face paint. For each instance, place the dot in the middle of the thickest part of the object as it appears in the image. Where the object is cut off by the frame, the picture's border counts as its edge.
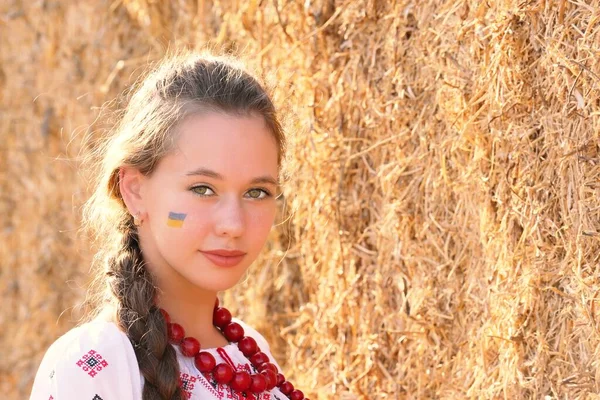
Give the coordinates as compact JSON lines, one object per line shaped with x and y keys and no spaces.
{"x":175,"y":220}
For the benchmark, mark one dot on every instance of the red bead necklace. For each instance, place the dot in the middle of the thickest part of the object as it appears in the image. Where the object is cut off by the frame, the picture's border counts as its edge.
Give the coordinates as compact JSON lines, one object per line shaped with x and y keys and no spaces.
{"x":266,"y":379}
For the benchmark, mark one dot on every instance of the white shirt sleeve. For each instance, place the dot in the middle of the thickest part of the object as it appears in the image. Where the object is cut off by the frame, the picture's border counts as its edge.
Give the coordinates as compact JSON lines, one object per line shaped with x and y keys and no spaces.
{"x":94,"y":361}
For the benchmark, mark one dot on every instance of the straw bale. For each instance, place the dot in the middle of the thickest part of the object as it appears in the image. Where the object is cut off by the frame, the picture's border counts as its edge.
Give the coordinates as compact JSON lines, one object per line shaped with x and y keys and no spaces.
{"x":440,"y":234}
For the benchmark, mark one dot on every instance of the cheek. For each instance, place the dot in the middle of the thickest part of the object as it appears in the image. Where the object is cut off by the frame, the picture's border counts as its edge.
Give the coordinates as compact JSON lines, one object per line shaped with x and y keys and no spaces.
{"x":261,"y":221}
{"x":177,"y":221}
{"x":195,"y":219}
{"x":196,"y":224}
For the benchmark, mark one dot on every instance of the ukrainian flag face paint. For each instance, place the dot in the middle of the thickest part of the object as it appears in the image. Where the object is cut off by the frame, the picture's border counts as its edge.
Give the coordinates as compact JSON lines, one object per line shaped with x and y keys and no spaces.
{"x":175,"y":220}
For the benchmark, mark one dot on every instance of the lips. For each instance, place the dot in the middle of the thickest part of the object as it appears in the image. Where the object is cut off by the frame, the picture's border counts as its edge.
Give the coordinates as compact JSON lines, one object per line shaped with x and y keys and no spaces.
{"x":225,"y":253}
{"x":224,"y":258}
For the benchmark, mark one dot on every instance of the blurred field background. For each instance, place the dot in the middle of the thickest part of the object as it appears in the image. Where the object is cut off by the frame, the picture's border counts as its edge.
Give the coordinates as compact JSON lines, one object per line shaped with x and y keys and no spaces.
{"x":444,"y":229}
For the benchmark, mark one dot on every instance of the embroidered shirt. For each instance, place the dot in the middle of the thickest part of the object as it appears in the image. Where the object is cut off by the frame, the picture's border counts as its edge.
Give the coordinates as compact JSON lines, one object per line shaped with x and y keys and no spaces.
{"x":96,"y":361}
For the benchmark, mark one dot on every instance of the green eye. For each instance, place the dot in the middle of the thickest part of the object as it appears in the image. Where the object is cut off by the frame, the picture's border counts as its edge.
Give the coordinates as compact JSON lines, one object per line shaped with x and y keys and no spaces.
{"x":256,"y":194}
{"x":201,"y":190}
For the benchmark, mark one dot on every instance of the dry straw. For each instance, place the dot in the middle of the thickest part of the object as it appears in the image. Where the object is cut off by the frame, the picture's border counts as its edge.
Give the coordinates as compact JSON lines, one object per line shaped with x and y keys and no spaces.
{"x":443,"y":205}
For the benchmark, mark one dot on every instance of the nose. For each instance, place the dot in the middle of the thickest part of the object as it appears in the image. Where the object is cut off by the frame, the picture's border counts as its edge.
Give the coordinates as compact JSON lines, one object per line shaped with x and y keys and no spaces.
{"x":229,"y":218}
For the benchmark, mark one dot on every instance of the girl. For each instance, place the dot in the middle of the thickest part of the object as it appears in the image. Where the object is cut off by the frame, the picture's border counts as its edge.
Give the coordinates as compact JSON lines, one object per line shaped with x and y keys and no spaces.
{"x":184,"y":204}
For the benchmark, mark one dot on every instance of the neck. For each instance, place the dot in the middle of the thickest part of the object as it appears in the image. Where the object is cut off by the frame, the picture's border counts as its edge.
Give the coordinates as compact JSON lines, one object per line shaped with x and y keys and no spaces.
{"x":192,"y":308}
{"x":189,"y":312}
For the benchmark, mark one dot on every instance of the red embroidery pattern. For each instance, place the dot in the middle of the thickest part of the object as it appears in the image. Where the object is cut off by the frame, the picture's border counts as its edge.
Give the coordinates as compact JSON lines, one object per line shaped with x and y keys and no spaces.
{"x":245,"y":367}
{"x":187,"y":384}
{"x":210,"y":384}
{"x":92,"y":363}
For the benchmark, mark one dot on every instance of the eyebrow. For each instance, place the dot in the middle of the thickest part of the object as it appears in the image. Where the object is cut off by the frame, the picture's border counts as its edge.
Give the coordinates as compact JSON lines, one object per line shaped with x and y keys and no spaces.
{"x":212,"y":174}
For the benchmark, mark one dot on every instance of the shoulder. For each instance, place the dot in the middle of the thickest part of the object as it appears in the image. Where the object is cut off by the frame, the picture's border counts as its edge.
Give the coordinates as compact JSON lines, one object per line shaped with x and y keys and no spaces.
{"x":95,"y":342}
{"x":92,"y":358}
{"x":102,"y":334}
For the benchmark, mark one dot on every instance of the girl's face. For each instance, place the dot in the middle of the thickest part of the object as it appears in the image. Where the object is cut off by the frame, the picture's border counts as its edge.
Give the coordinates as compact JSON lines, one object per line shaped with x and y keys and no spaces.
{"x":215,"y":190}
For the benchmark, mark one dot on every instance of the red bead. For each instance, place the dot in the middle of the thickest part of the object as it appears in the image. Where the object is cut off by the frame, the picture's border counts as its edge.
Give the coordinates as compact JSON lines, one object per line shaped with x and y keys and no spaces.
{"x":166,"y":316}
{"x":271,"y":378}
{"x":189,"y":346}
{"x":286,"y":388}
{"x":270,"y":366}
{"x":258,"y":383}
{"x":223,"y":373}
{"x":204,"y":361}
{"x":221,"y":317}
{"x":248,"y":346}
{"x":176,"y":333}
{"x":280,"y":379}
{"x":296,"y":395}
{"x":259,"y":358}
{"x":241,"y":381}
{"x":233,"y":332}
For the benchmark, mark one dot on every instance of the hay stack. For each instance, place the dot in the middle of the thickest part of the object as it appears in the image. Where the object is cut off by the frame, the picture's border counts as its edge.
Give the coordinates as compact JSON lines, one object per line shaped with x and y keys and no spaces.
{"x":443,"y":241}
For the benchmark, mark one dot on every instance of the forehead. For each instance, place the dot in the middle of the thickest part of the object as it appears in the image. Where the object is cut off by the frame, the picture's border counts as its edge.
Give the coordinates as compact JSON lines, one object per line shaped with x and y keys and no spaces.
{"x":235,"y":146}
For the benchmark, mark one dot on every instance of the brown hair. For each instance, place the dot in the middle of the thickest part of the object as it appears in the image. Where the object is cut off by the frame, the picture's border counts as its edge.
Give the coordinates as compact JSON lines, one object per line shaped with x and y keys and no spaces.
{"x":181,"y":85}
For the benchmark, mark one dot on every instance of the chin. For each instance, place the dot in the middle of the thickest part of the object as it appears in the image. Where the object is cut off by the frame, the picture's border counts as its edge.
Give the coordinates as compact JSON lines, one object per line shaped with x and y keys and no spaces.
{"x":216,"y":282}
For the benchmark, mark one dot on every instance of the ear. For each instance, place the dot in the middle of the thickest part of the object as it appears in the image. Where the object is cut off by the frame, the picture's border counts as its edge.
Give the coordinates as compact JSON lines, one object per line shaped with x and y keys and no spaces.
{"x":130,"y":185}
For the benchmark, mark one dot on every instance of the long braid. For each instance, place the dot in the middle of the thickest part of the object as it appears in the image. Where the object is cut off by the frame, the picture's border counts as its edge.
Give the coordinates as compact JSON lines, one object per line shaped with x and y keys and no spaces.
{"x":133,"y":287}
